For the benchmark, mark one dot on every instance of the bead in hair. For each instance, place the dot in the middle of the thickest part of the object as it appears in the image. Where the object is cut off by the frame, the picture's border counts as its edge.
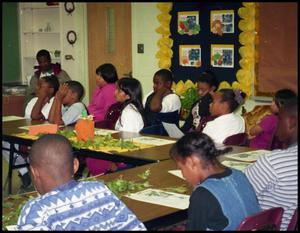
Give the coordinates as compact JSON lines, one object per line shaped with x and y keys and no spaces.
{"x":237,"y":96}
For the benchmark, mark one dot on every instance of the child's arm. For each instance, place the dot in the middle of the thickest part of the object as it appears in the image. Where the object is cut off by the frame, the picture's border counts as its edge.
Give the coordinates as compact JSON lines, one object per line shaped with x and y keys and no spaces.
{"x":55,"y":115}
{"x":156,"y":102}
{"x":36,"y":113}
{"x":256,"y":130}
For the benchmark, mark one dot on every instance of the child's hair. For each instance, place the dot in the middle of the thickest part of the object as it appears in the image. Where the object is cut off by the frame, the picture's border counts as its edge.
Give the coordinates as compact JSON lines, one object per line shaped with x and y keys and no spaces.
{"x":165,"y":74}
{"x":76,"y":87}
{"x":108,"y":72}
{"x":209,"y":78}
{"x":283,"y":96}
{"x":234,"y":98}
{"x":43,"y":53}
{"x":291,"y":106}
{"x":198,"y":144}
{"x":133,"y":88}
{"x":52,"y":81}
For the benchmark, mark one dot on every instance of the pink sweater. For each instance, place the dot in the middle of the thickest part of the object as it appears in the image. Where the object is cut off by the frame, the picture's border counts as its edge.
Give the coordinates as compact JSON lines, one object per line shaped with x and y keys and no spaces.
{"x":102,"y":99}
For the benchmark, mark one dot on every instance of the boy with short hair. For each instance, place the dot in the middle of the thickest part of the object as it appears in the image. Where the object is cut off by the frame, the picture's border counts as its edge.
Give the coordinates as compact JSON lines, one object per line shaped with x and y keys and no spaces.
{"x":274,"y":176}
{"x":65,"y":204}
{"x":67,"y":108}
{"x":162,"y":104}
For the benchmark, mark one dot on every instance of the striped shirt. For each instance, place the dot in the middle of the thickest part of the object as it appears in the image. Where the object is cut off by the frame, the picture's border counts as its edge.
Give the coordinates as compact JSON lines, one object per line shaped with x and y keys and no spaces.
{"x":87,"y":205}
{"x":275,"y":180}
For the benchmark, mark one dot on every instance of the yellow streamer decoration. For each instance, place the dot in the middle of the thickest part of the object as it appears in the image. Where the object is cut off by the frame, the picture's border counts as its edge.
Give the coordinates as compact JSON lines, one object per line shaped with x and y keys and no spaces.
{"x":245,"y":75}
{"x":165,"y":43}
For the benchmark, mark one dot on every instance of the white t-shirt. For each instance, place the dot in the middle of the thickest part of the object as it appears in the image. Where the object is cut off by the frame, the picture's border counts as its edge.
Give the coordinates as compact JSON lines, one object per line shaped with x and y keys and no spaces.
{"x":131,"y":120}
{"x":71,"y":114}
{"x":224,"y":126}
{"x":45,"y":110}
{"x":170,"y":103}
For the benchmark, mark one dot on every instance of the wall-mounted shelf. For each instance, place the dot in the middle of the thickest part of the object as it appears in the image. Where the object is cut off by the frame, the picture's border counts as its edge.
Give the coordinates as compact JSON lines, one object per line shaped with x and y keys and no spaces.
{"x":40,"y":28}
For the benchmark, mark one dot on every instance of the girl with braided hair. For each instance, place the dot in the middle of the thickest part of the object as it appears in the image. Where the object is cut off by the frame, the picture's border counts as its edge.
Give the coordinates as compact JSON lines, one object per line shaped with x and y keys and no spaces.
{"x":222,"y":196}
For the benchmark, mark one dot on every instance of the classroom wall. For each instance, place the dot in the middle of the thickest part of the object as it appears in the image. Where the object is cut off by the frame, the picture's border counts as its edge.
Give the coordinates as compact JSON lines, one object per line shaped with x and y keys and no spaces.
{"x":10,"y":43}
{"x":144,"y":23}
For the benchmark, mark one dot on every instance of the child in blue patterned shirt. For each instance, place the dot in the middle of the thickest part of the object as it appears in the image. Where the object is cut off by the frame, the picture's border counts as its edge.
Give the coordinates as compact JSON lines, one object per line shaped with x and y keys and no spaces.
{"x":65,"y":204}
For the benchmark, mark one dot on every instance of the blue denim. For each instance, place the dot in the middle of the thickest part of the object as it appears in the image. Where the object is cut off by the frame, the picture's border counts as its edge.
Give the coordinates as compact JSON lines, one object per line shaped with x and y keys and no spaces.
{"x":235,"y":195}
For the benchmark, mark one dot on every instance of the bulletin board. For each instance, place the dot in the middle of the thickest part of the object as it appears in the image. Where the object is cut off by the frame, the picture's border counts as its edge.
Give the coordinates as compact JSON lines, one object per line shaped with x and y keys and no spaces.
{"x":195,"y":34}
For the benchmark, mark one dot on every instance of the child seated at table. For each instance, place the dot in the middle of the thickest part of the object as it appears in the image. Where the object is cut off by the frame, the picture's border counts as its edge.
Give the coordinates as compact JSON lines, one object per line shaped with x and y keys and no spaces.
{"x":67,"y":106}
{"x":263,"y":132}
{"x":162,"y":104}
{"x":226,"y":122}
{"x":129,"y":93}
{"x":207,"y":84}
{"x":65,"y":204}
{"x":103,"y":96}
{"x":37,"y":108}
{"x":222,"y":197}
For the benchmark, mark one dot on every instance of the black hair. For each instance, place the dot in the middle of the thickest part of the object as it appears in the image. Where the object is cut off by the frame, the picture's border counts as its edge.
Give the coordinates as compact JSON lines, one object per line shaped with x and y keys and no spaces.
{"x":283,"y":96}
{"x":234,"y":98}
{"x":133,"y":88}
{"x":108,"y":72}
{"x":210,"y":78}
{"x":165,"y":74}
{"x":43,"y":53}
{"x":76,"y":87}
{"x":198,"y":144}
{"x":54,"y":153}
{"x":291,"y":106}
{"x":53,"y":82}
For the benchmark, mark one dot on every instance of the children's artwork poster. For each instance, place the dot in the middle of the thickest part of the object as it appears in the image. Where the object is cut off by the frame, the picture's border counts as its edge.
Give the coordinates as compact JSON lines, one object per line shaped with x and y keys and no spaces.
{"x":222,"y":21}
{"x":190,"y":55}
{"x":188,"y":23}
{"x":222,"y":56}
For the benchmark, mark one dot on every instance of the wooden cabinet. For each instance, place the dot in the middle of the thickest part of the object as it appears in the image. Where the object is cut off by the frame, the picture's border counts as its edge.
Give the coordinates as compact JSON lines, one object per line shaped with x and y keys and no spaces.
{"x":13,"y":105}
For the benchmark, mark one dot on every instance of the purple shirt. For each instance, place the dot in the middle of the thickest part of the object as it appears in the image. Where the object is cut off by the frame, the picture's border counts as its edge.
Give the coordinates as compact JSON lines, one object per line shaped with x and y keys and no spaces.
{"x":102,"y":99}
{"x":264,"y":139}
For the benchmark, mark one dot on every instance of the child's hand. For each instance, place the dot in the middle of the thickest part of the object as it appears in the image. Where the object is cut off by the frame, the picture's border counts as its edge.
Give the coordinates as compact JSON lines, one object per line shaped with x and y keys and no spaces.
{"x":163,"y":91}
{"x":62,"y":91}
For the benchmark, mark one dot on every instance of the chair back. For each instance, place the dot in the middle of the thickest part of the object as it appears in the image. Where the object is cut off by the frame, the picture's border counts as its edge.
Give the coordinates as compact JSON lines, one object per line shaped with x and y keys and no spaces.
{"x":112,"y":115}
{"x":265,"y":220}
{"x":240,"y":139}
{"x":293,"y":225}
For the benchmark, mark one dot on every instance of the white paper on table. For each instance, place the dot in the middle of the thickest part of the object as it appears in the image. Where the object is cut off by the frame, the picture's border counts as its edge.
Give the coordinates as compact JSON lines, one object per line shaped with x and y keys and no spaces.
{"x":249,"y":156}
{"x":236,"y":164}
{"x":173,"y":130}
{"x":176,"y":173}
{"x":12,"y":228}
{"x":11,"y":118}
{"x":160,"y":197}
{"x":152,"y":141}
{"x":104,"y":132}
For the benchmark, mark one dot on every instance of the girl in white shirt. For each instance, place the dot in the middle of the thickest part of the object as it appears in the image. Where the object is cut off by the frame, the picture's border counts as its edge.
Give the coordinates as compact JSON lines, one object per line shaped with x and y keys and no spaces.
{"x":129,"y":92}
{"x":226,"y":123}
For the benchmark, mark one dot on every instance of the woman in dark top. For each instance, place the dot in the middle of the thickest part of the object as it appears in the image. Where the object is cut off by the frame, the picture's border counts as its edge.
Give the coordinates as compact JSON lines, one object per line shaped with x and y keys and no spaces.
{"x":207,"y":83}
{"x":222,"y":197}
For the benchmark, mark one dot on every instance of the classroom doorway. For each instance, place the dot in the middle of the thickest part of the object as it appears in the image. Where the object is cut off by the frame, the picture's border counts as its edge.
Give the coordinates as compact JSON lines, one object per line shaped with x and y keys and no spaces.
{"x":109,"y":38}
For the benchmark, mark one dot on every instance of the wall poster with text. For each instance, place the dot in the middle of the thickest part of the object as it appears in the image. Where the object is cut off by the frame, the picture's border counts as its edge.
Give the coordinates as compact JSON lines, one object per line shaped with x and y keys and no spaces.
{"x":190,"y":55}
{"x":222,"y":21}
{"x":188,"y":23}
{"x":222,"y":55}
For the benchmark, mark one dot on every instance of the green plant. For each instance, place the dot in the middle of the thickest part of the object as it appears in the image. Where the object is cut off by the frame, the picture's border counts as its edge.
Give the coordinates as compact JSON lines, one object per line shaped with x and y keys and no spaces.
{"x":187,"y":99}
